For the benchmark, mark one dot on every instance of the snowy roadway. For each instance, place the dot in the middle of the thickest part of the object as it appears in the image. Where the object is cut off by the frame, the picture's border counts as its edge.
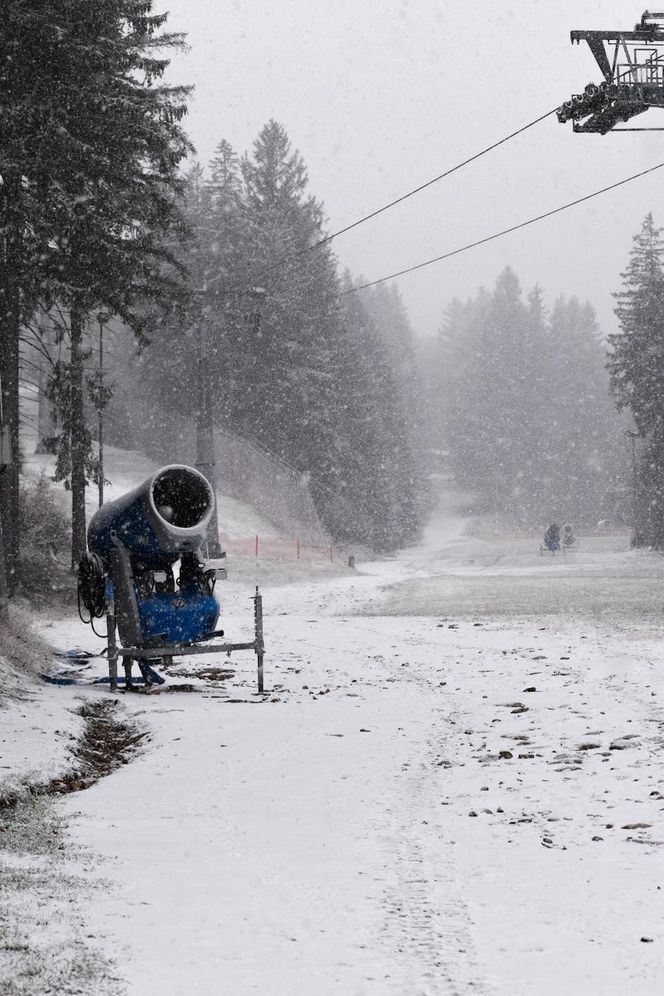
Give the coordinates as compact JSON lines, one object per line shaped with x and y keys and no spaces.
{"x":454,"y":786}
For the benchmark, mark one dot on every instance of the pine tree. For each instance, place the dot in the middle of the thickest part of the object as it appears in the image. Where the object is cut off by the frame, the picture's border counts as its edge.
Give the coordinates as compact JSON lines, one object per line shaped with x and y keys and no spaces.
{"x":309,"y":376}
{"x":235,"y":301}
{"x":461,"y":412}
{"x":525,"y":405}
{"x":636,"y":362}
{"x":288,"y":354}
{"x":584,"y":426}
{"x":636,"y":365}
{"x":92,"y":158}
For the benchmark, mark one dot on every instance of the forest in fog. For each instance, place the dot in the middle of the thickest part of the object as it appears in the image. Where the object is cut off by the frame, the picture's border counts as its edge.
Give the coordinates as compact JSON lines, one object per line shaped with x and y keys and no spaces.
{"x":325,"y":380}
{"x":519,"y":401}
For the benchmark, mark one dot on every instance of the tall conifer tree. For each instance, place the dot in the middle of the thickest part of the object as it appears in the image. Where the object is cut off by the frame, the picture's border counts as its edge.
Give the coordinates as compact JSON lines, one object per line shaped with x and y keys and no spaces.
{"x":636,"y":364}
{"x":91,"y":157}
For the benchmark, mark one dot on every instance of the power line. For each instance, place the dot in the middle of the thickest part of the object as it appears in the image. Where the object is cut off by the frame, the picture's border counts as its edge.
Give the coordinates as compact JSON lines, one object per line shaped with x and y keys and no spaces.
{"x":505,"y":231}
{"x":403,"y":197}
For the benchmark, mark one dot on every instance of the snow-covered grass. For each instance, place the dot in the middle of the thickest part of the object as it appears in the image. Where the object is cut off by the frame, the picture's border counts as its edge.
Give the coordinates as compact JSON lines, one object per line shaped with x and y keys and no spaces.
{"x":126,"y":469}
{"x":46,"y":946}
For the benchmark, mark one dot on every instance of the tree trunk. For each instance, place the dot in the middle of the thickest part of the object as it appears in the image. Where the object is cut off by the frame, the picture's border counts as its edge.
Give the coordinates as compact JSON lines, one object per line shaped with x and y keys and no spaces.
{"x":4,"y":592}
{"x":9,"y":376}
{"x":47,"y":429}
{"x":78,"y":446}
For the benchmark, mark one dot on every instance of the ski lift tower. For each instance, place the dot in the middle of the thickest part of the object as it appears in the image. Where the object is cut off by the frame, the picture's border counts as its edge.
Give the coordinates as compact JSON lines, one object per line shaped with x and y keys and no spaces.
{"x":632,"y":64}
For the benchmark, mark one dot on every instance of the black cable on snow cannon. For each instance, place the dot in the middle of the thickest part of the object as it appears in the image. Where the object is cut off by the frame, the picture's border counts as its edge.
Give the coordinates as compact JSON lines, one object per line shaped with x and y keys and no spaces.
{"x":91,"y":587}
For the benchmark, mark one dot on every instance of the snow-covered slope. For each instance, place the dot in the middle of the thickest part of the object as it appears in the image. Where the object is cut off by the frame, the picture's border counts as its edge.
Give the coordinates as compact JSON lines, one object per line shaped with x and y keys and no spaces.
{"x":441,"y":793}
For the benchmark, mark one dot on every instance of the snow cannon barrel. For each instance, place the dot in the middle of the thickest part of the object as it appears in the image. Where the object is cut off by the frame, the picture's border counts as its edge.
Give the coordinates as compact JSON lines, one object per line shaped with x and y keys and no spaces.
{"x":158,"y":521}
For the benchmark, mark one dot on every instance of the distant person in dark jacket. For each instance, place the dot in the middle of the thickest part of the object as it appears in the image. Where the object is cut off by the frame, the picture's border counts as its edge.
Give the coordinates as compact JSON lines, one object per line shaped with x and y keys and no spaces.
{"x":552,"y":537}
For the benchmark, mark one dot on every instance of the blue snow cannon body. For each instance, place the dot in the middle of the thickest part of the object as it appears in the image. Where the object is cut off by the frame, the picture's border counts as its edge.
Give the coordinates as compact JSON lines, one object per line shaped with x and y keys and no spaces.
{"x":138,"y":539}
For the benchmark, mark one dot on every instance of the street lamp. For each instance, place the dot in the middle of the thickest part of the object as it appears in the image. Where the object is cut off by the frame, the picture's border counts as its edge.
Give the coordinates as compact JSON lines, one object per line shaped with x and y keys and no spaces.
{"x":101,"y":319}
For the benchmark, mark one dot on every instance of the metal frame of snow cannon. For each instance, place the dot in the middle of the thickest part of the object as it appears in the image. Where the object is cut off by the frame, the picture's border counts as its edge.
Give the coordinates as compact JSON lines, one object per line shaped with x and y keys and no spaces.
{"x":134,"y":543}
{"x":182,"y":649}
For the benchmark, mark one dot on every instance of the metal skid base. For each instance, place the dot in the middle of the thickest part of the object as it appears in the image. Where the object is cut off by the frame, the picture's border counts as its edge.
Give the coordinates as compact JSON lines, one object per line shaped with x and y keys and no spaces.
{"x":183,"y":649}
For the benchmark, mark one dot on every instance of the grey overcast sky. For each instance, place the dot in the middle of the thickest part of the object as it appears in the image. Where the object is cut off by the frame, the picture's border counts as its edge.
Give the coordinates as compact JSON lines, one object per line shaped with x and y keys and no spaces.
{"x":379,"y":97}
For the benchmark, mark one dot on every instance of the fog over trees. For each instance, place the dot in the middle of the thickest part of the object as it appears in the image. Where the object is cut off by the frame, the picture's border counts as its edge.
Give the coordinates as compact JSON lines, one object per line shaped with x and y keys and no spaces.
{"x":325,"y":379}
{"x":520,"y":403}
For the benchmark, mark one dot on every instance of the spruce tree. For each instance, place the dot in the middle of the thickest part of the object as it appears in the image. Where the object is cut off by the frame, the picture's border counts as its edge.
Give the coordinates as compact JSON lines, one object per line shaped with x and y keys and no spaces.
{"x":289,"y":352}
{"x":308,"y":375}
{"x":636,"y":361}
{"x":92,"y":159}
{"x":636,"y":365}
{"x":525,"y":408}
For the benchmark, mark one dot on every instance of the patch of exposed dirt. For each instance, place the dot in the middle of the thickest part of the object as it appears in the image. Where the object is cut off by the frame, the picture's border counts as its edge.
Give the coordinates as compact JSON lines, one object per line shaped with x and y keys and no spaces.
{"x":107,"y":742}
{"x":45,"y":944}
{"x":209,"y":673}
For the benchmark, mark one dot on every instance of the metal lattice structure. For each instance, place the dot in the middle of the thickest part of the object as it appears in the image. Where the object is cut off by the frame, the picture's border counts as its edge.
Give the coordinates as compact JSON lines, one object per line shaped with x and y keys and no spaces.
{"x":632,"y":64}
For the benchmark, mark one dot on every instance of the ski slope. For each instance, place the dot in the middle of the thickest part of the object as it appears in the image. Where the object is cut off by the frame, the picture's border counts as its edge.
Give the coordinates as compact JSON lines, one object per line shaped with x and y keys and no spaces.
{"x":453,"y":786}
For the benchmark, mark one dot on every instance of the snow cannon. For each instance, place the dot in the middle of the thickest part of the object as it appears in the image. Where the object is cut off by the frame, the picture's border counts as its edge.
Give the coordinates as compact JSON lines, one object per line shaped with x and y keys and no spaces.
{"x":134,"y":543}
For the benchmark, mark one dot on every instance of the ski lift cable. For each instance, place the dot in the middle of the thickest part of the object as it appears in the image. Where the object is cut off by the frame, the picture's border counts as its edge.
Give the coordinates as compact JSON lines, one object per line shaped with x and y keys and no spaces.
{"x":404,"y":197}
{"x":505,"y":231}
{"x":423,"y":186}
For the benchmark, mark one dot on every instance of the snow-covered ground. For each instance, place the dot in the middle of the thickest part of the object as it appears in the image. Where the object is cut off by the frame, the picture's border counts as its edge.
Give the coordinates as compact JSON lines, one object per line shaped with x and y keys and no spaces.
{"x":453,"y":786}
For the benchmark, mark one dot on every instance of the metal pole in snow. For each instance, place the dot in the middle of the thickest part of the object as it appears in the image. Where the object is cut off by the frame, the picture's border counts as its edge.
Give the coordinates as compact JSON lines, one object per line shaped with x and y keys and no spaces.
{"x":256,"y":554}
{"x":258,"y":629}
{"x":635,"y":487}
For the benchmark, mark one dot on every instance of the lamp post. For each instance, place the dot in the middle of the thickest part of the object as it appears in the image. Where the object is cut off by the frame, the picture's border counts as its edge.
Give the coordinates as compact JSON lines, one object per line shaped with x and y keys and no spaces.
{"x":100,"y":319}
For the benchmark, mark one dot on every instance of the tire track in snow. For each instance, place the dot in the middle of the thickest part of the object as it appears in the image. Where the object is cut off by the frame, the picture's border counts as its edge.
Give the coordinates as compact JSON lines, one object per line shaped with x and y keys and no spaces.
{"x":427,"y":923}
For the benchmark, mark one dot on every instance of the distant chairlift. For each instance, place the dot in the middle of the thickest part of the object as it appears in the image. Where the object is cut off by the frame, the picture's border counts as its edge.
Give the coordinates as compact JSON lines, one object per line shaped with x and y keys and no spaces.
{"x":569,"y":540}
{"x":557,"y":542}
{"x":632,"y":63}
{"x":551,"y":542}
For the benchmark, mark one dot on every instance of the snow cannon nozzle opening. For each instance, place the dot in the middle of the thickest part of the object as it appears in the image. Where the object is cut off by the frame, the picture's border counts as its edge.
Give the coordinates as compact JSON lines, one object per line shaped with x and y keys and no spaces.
{"x":181,"y":496}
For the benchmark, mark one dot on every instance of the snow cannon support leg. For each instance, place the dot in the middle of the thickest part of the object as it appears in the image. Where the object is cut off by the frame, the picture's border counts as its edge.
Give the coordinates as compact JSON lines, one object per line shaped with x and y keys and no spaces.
{"x":146,"y":671}
{"x":112,"y":643}
{"x":126,"y":663}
